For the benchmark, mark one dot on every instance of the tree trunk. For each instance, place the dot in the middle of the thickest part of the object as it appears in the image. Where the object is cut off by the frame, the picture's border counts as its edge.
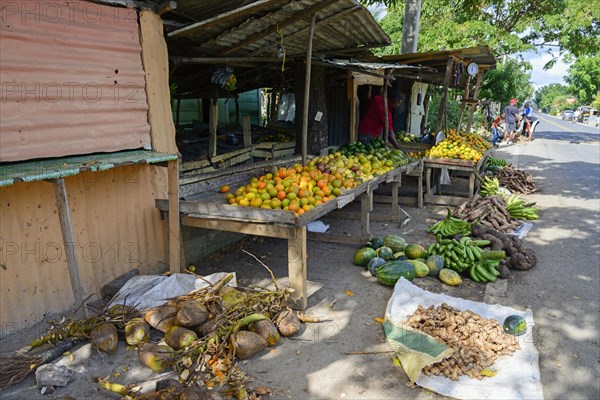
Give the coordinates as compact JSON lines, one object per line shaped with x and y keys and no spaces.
{"x":318,"y":131}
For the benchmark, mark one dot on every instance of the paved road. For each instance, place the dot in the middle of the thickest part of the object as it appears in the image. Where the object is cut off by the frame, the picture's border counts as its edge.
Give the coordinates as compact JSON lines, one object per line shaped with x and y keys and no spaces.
{"x":563,"y":289}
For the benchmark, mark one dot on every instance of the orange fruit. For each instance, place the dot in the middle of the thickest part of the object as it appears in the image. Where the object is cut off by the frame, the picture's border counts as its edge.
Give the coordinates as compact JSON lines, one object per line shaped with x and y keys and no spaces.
{"x":256,"y":202}
{"x":244,"y":203}
{"x":224,"y":189}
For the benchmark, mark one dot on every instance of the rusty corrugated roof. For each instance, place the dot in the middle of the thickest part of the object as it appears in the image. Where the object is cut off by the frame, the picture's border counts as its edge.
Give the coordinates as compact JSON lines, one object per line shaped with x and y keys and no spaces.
{"x":72,"y":81}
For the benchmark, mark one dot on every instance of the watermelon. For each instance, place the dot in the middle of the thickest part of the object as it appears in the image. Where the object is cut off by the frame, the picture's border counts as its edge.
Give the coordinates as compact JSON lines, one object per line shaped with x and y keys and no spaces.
{"x":385,"y":253}
{"x":400,"y":256}
{"x":435,"y":263}
{"x":375,"y":243}
{"x":515,"y":325}
{"x":394,"y":242}
{"x":421,"y":269}
{"x":363,"y":256}
{"x":391,"y":271}
{"x":414,"y":251}
{"x":374,"y":264}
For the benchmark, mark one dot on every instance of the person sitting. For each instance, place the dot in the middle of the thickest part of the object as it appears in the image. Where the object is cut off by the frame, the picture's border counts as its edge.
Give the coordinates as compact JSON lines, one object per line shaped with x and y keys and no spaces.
{"x":496,"y":129}
{"x":373,"y":122}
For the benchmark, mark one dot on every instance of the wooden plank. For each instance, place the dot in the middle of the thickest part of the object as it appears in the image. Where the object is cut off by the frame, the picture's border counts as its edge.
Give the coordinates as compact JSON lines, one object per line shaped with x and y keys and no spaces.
{"x":306,"y":99}
{"x":247,"y":131}
{"x":297,"y":266}
{"x":352,"y":85}
{"x":213,"y":121}
{"x":395,"y":206}
{"x":226,"y":60}
{"x":366,"y":206}
{"x":312,"y":10}
{"x":156,"y":68}
{"x":367,"y":79}
{"x":248,"y":228}
{"x":192,"y":165}
{"x":444,"y":99}
{"x":174,"y":228}
{"x":225,"y":17}
{"x":64,"y":217}
{"x":386,"y":121}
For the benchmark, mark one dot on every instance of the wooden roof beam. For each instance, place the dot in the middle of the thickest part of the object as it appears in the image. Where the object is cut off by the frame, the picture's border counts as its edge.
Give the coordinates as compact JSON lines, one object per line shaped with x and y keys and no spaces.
{"x":321,"y":22}
{"x":227,"y":16}
{"x":279,"y":25}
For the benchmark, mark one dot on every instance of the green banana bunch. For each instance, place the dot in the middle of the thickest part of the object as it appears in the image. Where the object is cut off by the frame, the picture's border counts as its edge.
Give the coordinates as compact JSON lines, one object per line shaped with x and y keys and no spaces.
{"x":518,"y":209}
{"x":465,"y":254}
{"x":489,"y":187}
{"x":450,"y":226}
{"x":498,"y":162}
{"x":484,"y":271}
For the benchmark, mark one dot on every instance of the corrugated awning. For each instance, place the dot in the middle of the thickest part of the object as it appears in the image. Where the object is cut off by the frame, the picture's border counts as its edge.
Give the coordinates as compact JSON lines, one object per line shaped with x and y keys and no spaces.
{"x":31,"y":171}
{"x":369,"y":67}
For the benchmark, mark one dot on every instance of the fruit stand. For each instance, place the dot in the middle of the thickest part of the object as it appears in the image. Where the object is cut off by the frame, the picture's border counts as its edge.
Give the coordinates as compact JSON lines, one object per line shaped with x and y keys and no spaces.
{"x":204,"y":206}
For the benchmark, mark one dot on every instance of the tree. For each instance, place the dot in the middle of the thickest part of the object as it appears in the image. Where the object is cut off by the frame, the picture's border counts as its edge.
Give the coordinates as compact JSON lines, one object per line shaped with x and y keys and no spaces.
{"x":554,"y":97}
{"x":583,"y":78}
{"x":507,"y":27}
{"x":509,"y":79}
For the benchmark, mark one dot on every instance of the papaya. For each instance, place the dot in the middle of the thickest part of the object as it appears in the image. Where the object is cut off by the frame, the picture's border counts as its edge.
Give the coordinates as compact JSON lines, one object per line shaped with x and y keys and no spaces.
{"x":450,"y":277}
{"x":414,"y":251}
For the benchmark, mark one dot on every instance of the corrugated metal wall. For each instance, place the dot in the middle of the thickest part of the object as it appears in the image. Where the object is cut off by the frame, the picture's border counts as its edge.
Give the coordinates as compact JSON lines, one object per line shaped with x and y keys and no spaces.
{"x":72,"y":80}
{"x":115,"y":225}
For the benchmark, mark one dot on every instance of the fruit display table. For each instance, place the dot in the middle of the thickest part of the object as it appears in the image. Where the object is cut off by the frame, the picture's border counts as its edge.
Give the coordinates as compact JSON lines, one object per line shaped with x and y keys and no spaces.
{"x":435,"y":165}
{"x":203,"y":206}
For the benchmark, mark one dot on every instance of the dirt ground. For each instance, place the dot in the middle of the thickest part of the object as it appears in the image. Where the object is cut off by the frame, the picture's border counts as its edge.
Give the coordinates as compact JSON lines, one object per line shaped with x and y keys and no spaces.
{"x":312,"y":365}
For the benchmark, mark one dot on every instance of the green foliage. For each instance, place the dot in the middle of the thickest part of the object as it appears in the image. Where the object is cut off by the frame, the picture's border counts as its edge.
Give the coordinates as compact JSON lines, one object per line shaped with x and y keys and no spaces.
{"x":507,"y":27}
{"x":584,"y":78}
{"x":547,"y":95}
{"x":596,"y":103}
{"x":509,"y":79}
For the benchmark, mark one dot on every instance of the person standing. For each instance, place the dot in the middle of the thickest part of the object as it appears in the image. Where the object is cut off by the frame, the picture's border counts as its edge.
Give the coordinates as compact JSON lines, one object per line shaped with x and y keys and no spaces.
{"x":511,"y":117}
{"x":496,"y":129}
{"x":373,"y":122}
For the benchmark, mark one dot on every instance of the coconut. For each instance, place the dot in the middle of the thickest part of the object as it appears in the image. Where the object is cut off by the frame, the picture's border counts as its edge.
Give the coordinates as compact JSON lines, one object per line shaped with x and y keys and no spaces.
{"x":162,"y":317}
{"x":179,"y":338}
{"x":157,"y":357}
{"x":288,"y":323}
{"x":231,"y":296}
{"x":104,"y":337}
{"x":247,"y":344}
{"x":192,"y":394}
{"x":191,"y":313}
{"x":267,"y":330}
{"x":137,"y":331}
{"x":206,"y":328}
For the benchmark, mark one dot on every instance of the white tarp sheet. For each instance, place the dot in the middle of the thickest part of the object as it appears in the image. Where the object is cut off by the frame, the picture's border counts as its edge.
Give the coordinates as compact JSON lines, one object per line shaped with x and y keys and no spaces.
{"x":518,"y":376}
{"x":147,"y":291}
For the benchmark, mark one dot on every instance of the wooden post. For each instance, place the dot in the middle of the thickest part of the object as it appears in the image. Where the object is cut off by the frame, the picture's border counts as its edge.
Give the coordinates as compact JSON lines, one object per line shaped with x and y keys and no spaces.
{"x":237,"y":109}
{"x":311,"y":33}
{"x":475,"y":94}
{"x":463,"y":104}
{"x":366,"y":206}
{"x":297,"y":260}
{"x":352,"y":87}
{"x":177,"y":113}
{"x":246,"y":130}
{"x":213,"y":120}
{"x":386,"y":123}
{"x":444,"y":99}
{"x":64,"y":216}
{"x":174,"y":228}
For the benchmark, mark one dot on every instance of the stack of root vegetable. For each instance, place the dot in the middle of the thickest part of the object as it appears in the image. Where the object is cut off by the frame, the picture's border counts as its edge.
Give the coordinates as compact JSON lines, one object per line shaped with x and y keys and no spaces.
{"x":477,"y":342}
{"x":516,"y":180}
{"x":489,"y":211}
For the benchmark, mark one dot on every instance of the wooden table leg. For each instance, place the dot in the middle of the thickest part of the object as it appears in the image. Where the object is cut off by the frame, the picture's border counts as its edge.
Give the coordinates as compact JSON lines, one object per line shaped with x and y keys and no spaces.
{"x":420,"y":190}
{"x":428,"y":180}
{"x":174,"y":230}
{"x":366,"y":206}
{"x":395,"y":206}
{"x":297,"y":260}
{"x":438,"y":181}
{"x":471,"y":184}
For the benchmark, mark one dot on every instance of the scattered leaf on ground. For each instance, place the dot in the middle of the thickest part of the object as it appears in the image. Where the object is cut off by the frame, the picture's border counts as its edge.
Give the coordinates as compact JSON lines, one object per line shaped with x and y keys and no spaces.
{"x":397,"y":362}
{"x":349,"y":293}
{"x":488,"y":373}
{"x":379,"y":319}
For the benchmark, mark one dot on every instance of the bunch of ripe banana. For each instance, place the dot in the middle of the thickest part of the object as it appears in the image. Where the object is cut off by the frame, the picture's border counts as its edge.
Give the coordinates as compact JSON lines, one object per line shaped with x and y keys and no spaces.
{"x":450,"y":226}
{"x":467,"y":254}
{"x":489,"y":187}
{"x":518,"y":209}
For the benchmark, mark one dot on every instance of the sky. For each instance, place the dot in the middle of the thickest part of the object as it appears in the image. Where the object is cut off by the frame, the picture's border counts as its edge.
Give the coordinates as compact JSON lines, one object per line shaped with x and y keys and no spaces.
{"x":541,"y":77}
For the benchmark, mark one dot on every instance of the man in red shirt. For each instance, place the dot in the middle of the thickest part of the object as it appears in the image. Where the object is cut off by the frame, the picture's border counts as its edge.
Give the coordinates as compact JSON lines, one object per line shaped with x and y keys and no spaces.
{"x":373,"y":122}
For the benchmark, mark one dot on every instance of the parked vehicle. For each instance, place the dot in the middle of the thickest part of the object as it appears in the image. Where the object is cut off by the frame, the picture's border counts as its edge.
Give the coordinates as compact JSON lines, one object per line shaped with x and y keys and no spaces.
{"x":594,"y":118}
{"x":583,"y":113}
{"x":567,"y":115}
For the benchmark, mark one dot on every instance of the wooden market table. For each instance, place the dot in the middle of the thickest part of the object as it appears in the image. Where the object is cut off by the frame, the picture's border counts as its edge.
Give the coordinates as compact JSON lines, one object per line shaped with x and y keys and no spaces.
{"x":203,"y":206}
{"x":453,"y":199}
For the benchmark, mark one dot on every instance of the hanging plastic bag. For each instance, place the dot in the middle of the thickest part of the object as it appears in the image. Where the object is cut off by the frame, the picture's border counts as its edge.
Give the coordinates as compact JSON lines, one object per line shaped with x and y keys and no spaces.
{"x":224,"y":78}
{"x":445,"y":177}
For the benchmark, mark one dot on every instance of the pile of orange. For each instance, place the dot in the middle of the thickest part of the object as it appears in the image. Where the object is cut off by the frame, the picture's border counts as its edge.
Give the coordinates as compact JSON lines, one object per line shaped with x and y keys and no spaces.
{"x":298,"y":189}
